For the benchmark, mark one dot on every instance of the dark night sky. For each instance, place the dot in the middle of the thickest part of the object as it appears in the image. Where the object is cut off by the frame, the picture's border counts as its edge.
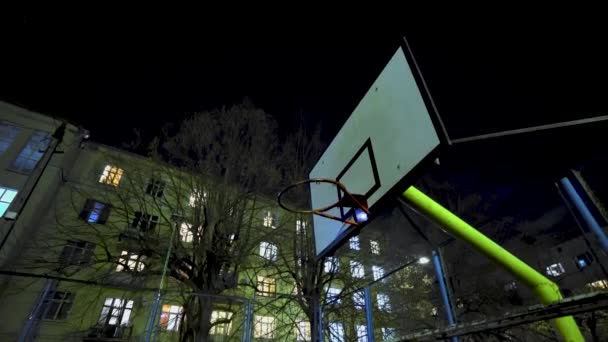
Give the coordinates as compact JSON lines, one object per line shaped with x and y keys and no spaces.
{"x":485,"y":76}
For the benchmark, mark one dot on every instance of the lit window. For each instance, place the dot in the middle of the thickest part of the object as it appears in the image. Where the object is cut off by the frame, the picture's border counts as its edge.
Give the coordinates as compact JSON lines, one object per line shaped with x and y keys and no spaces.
{"x":116,"y":311}
{"x":303,"y":331}
{"x":221,"y":322}
{"x":197,"y":197}
{"x":555,"y":269}
{"x":269,"y":220}
{"x":353,"y":243}
{"x":383,"y":302}
{"x":130,"y":262}
{"x":76,"y":253}
{"x":300,"y":227}
{"x":378,"y":272}
{"x":336,"y":332}
{"x":356,"y":269}
{"x":264,"y":327}
{"x":6,"y":197}
{"x":56,"y":306}
{"x":8,"y":133}
{"x":333,"y":295}
{"x":361,"y":333}
{"x":32,"y":152}
{"x":185,"y":232}
{"x":331,"y":265}
{"x":111,"y":175}
{"x":170,"y":317}
{"x":155,"y":187}
{"x":95,"y":212}
{"x":374,"y":246}
{"x":599,"y":285}
{"x":268,"y":251}
{"x":359,"y":299}
{"x":266,"y":286}
{"x":145,"y":222}
{"x":388,"y":334}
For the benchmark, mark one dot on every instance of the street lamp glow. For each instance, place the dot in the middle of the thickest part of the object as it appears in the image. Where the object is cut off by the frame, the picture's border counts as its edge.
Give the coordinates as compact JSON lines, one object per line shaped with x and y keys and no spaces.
{"x":424,"y":260}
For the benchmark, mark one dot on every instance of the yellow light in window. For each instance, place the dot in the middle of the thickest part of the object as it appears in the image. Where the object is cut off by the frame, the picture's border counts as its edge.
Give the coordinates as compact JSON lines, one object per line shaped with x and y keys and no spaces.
{"x":111,"y":175}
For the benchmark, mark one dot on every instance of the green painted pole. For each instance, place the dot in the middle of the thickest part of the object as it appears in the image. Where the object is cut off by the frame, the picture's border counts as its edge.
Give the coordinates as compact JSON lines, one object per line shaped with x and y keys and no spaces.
{"x":546,"y":290}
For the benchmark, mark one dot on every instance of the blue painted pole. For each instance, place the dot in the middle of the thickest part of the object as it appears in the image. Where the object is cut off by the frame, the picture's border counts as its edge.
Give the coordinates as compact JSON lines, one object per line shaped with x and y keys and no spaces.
{"x":444,"y":291}
{"x":320,"y":322}
{"x":590,"y":221}
{"x":33,"y":317}
{"x":249,"y":319}
{"x":368,"y":314}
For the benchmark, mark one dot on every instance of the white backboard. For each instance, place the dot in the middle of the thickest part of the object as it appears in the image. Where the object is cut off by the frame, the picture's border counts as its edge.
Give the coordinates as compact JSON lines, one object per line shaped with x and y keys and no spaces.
{"x":389,"y":133}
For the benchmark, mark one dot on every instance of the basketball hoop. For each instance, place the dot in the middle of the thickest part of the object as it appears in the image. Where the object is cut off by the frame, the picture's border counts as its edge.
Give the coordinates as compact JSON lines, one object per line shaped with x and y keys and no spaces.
{"x":348,"y":200}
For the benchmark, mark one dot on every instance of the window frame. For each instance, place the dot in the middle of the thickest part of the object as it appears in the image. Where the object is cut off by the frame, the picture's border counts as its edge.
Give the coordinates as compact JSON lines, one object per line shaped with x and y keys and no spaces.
{"x":125,"y":306}
{"x":4,"y":199}
{"x":357,"y":269}
{"x":303,"y":331}
{"x":64,"y":303}
{"x":377,"y":272}
{"x":144,"y":221}
{"x":69,"y":257}
{"x":269,"y":246}
{"x":156,"y":187}
{"x":269,"y":220}
{"x":31,"y":152}
{"x":331,"y":264}
{"x":111,"y":175}
{"x":374,"y":246}
{"x":134,"y":262}
{"x":354,"y":243}
{"x":173,"y":319}
{"x":264,"y":326}
{"x":225,"y":327}
{"x":266,"y":286}
{"x":7,"y":140}
{"x":336,"y":332}
{"x":333,"y":296}
{"x":384,"y":302}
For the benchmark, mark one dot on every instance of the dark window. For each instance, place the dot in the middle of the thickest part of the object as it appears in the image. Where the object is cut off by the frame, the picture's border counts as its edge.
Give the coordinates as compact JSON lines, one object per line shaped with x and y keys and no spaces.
{"x":155,"y":187}
{"x":56,"y":306}
{"x":32,"y":152}
{"x":8,"y":133}
{"x":77,"y":253}
{"x":145,"y":222}
{"x":95,"y":212}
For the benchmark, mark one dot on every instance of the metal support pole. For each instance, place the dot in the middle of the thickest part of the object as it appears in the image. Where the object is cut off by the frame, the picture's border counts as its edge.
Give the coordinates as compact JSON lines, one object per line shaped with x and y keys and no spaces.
{"x":368,"y":314}
{"x":160,"y":289}
{"x":25,"y":333}
{"x":449,"y":310}
{"x":249,"y":318}
{"x":543,"y":288}
{"x":590,"y":221}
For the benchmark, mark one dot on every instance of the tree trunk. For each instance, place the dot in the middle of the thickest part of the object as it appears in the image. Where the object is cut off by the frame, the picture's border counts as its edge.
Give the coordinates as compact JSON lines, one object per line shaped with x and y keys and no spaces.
{"x":205,"y":306}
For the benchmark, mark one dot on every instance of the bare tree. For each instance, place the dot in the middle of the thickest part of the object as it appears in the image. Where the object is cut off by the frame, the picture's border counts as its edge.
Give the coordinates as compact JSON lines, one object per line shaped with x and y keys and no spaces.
{"x":192,"y":205}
